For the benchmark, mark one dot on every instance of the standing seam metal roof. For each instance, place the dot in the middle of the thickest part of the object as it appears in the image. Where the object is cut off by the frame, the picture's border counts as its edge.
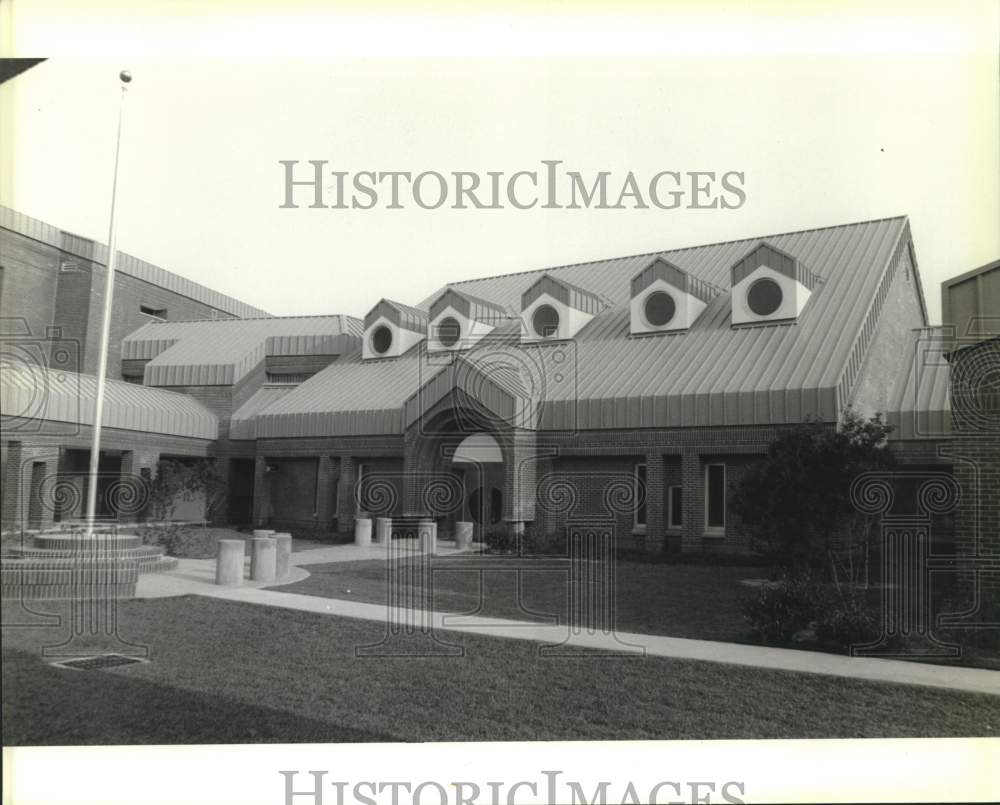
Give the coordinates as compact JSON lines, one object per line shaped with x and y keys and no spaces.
{"x":58,"y":396}
{"x":221,"y":352}
{"x":712,"y":374}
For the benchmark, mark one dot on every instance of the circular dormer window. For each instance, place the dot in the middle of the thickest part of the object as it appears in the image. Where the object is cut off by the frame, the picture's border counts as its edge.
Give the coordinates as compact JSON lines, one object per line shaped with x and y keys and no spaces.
{"x":659,"y":308}
{"x":545,"y":320}
{"x":764,"y":297}
{"x":448,"y":331}
{"x":381,"y":339}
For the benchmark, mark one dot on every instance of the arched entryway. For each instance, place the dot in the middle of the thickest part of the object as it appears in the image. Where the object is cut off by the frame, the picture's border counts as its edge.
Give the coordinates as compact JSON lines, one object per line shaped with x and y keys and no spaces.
{"x":480,"y":460}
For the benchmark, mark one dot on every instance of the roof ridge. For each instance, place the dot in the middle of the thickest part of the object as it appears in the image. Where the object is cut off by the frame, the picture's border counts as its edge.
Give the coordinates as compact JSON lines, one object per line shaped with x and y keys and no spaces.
{"x":340,"y":316}
{"x":659,"y":252}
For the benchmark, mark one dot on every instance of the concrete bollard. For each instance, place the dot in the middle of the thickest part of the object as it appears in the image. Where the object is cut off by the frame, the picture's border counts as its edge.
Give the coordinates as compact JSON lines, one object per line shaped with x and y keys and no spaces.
{"x":463,"y":535}
{"x":263,"y":532}
{"x":263,"y":558}
{"x":283,"y":556}
{"x":229,"y":562}
{"x":383,"y":530}
{"x":427,"y":529}
{"x":362,"y":531}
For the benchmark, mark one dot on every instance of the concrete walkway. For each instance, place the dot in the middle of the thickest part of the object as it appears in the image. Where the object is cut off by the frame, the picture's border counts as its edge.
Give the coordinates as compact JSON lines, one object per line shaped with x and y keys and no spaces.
{"x":810,"y":662}
{"x":197,"y":576}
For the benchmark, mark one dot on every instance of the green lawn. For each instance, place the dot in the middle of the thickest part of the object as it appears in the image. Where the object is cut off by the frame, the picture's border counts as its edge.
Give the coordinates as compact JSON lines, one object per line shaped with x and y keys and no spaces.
{"x":696,"y":601}
{"x":702,"y":602}
{"x":233,"y":673}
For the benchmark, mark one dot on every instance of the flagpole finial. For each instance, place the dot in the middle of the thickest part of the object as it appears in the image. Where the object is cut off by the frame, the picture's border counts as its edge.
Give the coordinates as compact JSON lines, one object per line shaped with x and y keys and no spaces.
{"x":125,"y":76}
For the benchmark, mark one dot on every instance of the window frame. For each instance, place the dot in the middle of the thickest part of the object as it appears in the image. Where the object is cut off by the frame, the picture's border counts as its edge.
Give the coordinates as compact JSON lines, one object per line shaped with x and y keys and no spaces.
{"x":637,"y":526}
{"x":715,"y":530}
{"x":671,"y":525}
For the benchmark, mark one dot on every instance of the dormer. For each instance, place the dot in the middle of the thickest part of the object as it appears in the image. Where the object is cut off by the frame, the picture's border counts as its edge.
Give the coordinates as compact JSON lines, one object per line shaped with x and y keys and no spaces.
{"x":665,"y":298}
{"x":458,"y":320}
{"x":769,"y":285}
{"x":391,"y":329}
{"x":553,"y":309}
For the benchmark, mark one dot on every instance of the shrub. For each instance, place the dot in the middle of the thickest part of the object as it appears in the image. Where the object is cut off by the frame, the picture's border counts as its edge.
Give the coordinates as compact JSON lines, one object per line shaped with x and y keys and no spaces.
{"x":781,"y":608}
{"x":499,"y":539}
{"x":845,"y":617}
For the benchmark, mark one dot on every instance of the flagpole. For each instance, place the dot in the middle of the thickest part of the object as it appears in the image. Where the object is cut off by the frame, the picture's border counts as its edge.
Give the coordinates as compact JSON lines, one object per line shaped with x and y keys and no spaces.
{"x":109,"y":288}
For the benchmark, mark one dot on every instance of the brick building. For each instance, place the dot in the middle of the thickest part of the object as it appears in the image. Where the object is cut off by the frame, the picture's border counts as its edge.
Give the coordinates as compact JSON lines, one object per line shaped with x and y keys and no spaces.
{"x":633,"y":390}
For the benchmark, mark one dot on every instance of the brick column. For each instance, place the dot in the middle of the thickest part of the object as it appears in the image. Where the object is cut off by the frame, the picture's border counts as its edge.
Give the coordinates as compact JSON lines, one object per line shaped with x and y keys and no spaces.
{"x":37,"y":488}
{"x":345,"y":494}
{"x":544,"y":521}
{"x":519,"y":476}
{"x":656,"y":492}
{"x":220,"y":516}
{"x":326,"y":492}
{"x":11,"y":506}
{"x":261,"y":492}
{"x":693,"y":495}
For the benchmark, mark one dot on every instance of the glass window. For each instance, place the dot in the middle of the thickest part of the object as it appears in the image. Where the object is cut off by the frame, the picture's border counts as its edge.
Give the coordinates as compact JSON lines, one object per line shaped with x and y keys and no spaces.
{"x":764,"y":297}
{"x":640,"y":495}
{"x":381,"y":339}
{"x":659,"y":308}
{"x":715,"y":496}
{"x":448,"y":331}
{"x":545,"y":320}
{"x":675,"y":511}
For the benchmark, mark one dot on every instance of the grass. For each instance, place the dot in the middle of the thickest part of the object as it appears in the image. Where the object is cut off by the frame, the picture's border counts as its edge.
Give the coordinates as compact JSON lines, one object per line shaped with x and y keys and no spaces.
{"x":233,"y":673}
{"x":701,"y":602}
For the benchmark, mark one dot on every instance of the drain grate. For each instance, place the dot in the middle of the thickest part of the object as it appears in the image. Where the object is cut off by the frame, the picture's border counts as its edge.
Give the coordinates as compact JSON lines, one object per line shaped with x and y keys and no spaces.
{"x":98,"y":663}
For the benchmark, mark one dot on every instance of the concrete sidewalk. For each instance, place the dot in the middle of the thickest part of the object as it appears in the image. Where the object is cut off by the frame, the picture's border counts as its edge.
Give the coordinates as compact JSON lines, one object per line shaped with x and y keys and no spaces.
{"x":197,"y":577}
{"x":810,"y":662}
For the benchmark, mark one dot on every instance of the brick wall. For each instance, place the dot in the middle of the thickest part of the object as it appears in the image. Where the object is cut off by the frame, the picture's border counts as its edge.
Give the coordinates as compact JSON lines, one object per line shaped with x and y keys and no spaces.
{"x":51,"y":287}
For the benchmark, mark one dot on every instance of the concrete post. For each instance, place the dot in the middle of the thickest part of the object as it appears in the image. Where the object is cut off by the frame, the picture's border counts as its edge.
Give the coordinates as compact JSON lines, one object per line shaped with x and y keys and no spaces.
{"x":284,"y":554}
{"x":383,"y":530}
{"x":263,"y":558}
{"x":229,"y":563}
{"x":463,"y":535}
{"x":362,"y":531}
{"x":427,"y":529}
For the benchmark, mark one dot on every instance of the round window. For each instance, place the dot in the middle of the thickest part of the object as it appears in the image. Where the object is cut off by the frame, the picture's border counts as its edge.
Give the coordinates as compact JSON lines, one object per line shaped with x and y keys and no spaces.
{"x":448,"y":331}
{"x":381,"y":339}
{"x":764,"y":297}
{"x":545,"y":320}
{"x":659,"y":308}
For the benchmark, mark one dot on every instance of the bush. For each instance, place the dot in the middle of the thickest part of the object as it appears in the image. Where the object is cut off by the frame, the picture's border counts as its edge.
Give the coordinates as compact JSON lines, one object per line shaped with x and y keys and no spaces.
{"x":782,"y":608}
{"x":844,"y":618}
{"x":501,"y":539}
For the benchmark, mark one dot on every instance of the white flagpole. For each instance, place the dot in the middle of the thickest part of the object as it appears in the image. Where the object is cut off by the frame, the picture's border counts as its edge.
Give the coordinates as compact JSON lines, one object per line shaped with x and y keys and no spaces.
{"x":109,"y":288}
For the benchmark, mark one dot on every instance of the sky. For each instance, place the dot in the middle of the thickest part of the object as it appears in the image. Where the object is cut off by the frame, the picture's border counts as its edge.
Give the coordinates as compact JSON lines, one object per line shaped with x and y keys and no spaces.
{"x":832,"y":113}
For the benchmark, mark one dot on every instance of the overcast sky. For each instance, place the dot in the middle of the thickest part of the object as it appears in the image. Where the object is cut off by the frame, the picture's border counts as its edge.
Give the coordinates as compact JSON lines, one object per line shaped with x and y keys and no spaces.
{"x":861,"y":112}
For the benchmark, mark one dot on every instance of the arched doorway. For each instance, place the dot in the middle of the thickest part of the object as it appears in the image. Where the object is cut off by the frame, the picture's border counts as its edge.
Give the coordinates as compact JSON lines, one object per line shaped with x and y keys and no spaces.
{"x":480,"y":458}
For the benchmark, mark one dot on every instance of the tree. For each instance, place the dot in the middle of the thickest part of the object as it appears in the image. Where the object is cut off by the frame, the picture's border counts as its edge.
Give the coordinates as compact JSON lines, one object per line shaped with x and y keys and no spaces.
{"x":184,"y":480}
{"x":796,"y":504}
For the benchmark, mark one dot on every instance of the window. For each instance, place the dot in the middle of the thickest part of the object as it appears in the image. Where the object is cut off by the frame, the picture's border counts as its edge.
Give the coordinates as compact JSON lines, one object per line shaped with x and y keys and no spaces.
{"x":640,"y":497}
{"x":155,"y":312}
{"x":715,"y":497}
{"x":381,"y":340}
{"x":659,"y":308}
{"x":675,"y":507}
{"x":545,"y":320}
{"x":764,"y":297}
{"x":448,"y":331}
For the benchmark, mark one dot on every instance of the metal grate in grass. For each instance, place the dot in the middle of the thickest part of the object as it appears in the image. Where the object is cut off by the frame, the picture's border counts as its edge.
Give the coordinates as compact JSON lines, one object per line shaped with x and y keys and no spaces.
{"x":97,"y":663}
